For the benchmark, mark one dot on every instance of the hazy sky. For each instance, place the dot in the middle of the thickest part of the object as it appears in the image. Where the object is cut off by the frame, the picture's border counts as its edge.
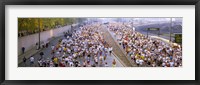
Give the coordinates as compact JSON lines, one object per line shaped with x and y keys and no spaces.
{"x":146,"y":19}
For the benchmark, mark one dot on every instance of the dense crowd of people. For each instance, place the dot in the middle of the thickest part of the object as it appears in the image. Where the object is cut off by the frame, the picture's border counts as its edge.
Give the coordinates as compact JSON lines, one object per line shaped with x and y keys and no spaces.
{"x":86,"y":47}
{"x":146,"y":51}
{"x":82,"y":48}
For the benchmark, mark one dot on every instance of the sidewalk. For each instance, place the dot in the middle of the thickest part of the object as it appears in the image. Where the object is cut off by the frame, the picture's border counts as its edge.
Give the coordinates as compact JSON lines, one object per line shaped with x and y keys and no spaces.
{"x":28,"y":54}
{"x":31,"y":52}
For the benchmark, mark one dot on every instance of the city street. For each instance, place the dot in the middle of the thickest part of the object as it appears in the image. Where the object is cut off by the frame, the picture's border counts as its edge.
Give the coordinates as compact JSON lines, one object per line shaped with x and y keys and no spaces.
{"x":99,"y":44}
{"x":47,"y":55}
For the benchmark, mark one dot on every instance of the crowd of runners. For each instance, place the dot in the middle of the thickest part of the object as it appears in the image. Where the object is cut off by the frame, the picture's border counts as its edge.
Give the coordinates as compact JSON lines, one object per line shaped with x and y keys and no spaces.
{"x":84,"y":47}
{"x":145,"y":51}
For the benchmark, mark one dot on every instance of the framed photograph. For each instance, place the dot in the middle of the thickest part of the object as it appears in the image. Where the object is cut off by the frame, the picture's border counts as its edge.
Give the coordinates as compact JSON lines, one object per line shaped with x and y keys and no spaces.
{"x":99,"y":42}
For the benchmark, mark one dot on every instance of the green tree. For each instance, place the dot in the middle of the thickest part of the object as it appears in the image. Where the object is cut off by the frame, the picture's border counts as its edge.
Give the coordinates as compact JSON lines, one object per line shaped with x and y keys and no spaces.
{"x":31,"y":25}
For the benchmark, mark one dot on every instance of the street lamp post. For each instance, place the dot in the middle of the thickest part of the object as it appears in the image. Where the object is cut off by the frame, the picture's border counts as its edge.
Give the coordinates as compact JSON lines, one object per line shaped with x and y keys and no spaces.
{"x":147,"y":32}
{"x":170,"y":29}
{"x":158,"y":29}
{"x":39,"y":33}
{"x":132,"y":22}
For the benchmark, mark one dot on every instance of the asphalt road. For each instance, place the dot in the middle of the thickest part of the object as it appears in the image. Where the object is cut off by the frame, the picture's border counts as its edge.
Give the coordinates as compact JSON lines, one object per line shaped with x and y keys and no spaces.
{"x":47,"y":55}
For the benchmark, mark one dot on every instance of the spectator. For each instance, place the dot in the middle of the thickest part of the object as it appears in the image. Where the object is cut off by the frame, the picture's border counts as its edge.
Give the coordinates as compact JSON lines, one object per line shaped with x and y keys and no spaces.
{"x":24,"y":60}
{"x":23,"y":50}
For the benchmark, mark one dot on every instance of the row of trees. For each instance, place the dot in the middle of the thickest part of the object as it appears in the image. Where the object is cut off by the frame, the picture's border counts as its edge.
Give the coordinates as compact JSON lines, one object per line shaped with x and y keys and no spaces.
{"x":27,"y":26}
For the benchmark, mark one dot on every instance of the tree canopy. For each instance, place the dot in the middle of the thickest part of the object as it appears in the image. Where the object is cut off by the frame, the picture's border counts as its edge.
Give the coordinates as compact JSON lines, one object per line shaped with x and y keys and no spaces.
{"x":32,"y":24}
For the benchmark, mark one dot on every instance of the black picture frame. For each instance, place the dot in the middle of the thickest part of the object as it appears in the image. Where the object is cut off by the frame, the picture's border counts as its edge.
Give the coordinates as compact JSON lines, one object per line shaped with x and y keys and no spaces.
{"x":3,"y":3}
